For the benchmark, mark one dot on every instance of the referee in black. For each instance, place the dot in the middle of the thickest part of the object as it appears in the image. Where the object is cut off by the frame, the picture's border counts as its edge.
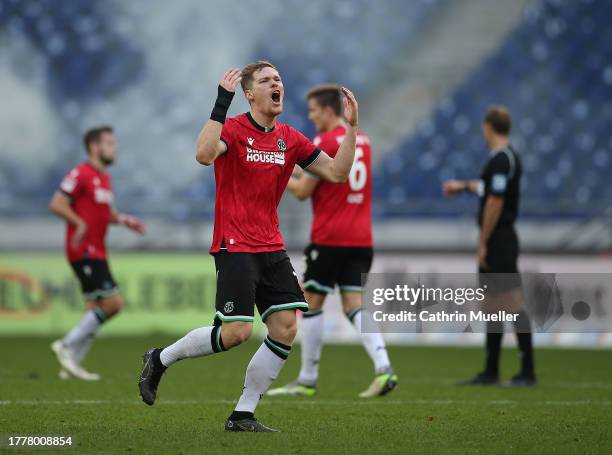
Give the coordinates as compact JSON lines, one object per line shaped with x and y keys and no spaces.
{"x":498,"y":246}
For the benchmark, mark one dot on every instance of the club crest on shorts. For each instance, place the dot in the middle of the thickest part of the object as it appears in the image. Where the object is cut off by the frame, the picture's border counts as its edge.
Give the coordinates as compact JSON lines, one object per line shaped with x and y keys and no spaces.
{"x":228,"y":307}
{"x":281,"y":145}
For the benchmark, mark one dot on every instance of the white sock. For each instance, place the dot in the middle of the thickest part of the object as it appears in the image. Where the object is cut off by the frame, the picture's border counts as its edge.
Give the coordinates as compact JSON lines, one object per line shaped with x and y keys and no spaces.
{"x":373,"y":343}
{"x":82,"y":349}
{"x":85,"y":329}
{"x":312,"y":340}
{"x":197,"y":343}
{"x":262,"y":370}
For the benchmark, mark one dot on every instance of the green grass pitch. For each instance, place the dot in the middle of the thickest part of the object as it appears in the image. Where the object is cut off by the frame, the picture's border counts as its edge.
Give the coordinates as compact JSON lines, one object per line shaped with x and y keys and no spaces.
{"x":570,"y":412}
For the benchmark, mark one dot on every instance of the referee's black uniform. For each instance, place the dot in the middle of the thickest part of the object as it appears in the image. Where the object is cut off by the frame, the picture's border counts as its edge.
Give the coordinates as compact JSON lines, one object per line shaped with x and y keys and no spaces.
{"x":501,"y":177}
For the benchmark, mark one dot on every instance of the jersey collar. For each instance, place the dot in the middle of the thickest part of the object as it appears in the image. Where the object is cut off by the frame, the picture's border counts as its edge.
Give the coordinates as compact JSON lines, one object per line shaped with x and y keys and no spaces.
{"x":257,"y":125}
{"x":499,"y":149}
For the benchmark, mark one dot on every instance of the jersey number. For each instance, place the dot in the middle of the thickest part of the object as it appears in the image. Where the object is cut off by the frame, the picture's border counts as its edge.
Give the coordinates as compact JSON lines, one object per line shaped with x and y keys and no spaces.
{"x":359,"y":172}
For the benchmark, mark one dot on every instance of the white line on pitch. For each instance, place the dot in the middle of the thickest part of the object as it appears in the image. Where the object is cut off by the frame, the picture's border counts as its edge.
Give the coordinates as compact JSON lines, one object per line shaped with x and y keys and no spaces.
{"x":299,"y":402}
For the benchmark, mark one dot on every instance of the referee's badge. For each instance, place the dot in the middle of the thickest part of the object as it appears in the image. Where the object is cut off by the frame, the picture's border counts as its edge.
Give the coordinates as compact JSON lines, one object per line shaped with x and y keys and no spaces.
{"x":499,"y":182}
{"x":281,"y":145}
{"x":228,"y":307}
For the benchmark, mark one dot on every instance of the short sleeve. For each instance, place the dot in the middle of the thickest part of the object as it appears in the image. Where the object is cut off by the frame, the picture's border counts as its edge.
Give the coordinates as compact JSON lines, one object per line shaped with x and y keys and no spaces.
{"x":72,"y":185}
{"x":307,"y":152}
{"x":327,"y":144}
{"x":228,"y":132}
{"x":500,"y":174}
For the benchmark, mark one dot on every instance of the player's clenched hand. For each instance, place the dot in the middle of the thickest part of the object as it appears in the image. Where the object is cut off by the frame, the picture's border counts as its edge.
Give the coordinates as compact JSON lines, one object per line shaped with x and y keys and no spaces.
{"x":351,"y":109}
{"x":230,"y":79}
{"x":452,"y":187}
{"x":79,"y":235}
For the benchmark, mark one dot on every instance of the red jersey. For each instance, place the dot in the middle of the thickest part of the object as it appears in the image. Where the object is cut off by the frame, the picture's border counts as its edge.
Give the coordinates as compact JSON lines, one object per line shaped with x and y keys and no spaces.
{"x":342,"y":213}
{"x":250,"y":179}
{"x":91,"y":198}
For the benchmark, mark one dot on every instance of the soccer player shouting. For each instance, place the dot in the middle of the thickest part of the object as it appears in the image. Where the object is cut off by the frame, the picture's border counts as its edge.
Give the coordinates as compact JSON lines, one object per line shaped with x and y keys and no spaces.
{"x":341,"y":248}
{"x":254,"y":156}
{"x":85,"y":201}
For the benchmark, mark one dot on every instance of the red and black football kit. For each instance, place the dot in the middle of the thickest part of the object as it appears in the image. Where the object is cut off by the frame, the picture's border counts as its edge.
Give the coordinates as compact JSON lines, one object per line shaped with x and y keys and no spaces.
{"x":91,"y":196}
{"x":252,"y":265}
{"x":341,"y":235}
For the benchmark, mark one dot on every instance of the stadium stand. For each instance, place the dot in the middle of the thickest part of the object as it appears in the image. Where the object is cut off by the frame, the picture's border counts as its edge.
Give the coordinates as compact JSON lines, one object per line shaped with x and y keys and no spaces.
{"x":562,"y":113}
{"x":566,"y":157}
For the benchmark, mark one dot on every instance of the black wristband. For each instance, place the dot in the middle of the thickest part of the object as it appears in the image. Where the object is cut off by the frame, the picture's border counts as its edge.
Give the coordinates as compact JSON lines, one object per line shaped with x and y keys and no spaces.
{"x":222,"y":104}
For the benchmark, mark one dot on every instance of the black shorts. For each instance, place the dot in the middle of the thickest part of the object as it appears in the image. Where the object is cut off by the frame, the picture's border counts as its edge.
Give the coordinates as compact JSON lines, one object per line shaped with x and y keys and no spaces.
{"x":96,"y":279}
{"x":502,"y":273}
{"x":328,"y":266}
{"x":266,"y":280}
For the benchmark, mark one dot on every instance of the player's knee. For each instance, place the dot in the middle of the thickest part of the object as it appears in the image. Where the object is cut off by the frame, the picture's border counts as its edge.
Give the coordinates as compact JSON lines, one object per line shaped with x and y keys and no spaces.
{"x":350,"y":301}
{"x":115,"y":304}
{"x":286,"y":332}
{"x":315,"y":301}
{"x":111,"y":306}
{"x":349,"y":307}
{"x":236,"y":333}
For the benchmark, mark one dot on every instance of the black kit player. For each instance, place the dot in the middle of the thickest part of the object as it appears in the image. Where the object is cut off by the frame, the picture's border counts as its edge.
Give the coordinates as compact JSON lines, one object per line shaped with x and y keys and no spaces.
{"x":341,"y":246}
{"x":85,"y":201}
{"x":498,"y":247}
{"x":254,"y":156}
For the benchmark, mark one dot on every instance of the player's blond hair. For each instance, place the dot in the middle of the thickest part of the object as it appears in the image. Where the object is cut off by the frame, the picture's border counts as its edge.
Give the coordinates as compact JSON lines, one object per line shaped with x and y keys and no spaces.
{"x":249,"y":71}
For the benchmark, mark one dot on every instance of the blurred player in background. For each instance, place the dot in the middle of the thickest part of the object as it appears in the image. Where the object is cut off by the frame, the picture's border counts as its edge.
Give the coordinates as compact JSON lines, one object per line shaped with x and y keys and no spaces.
{"x":498,"y":246}
{"x":254,"y":156}
{"x":341,"y":246}
{"x":85,"y":201}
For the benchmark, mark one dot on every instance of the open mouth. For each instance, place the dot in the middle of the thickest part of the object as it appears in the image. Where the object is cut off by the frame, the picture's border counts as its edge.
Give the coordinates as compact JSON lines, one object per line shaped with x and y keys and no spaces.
{"x":276,"y":96}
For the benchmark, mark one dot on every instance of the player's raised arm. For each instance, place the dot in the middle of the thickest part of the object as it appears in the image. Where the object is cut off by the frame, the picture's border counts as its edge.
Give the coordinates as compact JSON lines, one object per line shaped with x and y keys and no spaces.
{"x":209,"y":144}
{"x":337,"y":169}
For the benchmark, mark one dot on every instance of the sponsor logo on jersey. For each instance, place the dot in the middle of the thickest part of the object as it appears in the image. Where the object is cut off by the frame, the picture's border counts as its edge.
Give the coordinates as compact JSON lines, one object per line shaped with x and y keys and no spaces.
{"x":260,"y":156}
{"x":103,"y":196}
{"x":355,"y":198}
{"x":250,"y":140}
{"x":68,"y":185}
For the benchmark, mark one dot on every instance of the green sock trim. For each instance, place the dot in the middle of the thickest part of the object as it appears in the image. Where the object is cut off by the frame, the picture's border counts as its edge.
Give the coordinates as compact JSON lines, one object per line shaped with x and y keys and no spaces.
{"x":100,"y":315}
{"x":351,"y":314}
{"x":277,"y":348}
